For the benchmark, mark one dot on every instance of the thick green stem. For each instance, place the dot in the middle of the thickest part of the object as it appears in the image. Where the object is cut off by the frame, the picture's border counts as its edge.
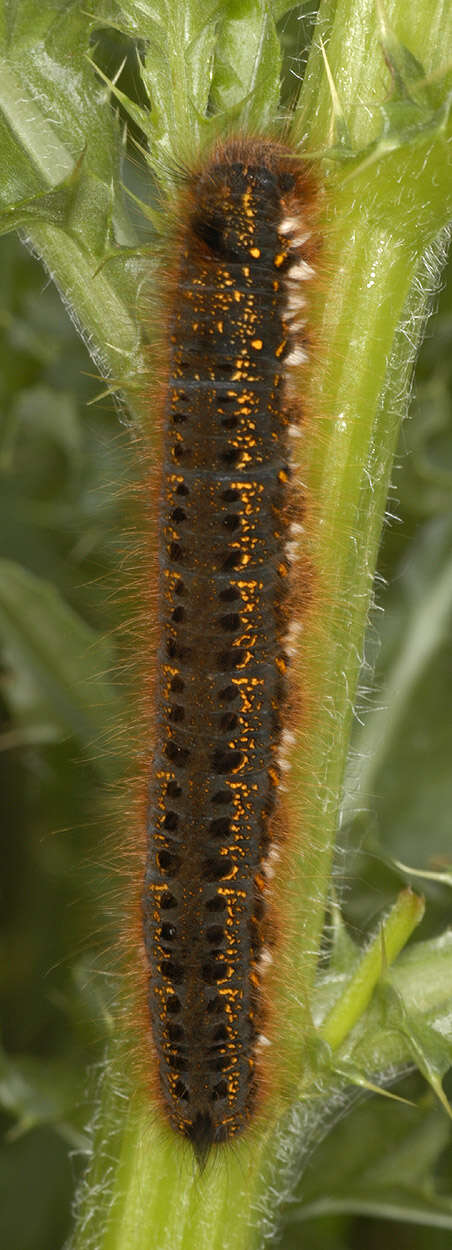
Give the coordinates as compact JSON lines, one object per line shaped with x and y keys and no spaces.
{"x":108,"y":328}
{"x":347,"y":476}
{"x":370,"y":320}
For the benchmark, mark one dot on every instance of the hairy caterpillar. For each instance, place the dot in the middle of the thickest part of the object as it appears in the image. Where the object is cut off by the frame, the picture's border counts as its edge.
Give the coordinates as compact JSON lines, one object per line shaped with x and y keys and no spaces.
{"x":229,"y":510}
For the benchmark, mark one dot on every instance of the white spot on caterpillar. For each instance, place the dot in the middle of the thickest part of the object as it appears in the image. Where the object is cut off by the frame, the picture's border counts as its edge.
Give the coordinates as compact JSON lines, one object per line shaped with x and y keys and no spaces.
{"x":303,"y":238}
{"x":288,"y":225}
{"x":294,"y":431}
{"x":297,"y":357}
{"x":291,"y":549}
{"x":294,"y":308}
{"x":294,"y":302}
{"x":301,"y":271}
{"x":295,"y":628}
{"x":297,"y":242}
{"x":263,"y":1040}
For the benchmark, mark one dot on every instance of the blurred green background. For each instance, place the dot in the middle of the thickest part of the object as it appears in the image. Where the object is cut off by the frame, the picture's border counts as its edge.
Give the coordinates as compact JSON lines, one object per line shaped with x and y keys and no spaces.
{"x":63,"y":462}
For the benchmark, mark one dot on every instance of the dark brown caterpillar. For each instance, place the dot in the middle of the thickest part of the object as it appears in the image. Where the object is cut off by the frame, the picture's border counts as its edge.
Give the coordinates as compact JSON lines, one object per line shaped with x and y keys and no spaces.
{"x":226,"y":551}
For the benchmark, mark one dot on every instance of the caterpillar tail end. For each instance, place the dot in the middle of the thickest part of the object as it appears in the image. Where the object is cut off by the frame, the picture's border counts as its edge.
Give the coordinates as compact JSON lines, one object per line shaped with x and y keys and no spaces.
{"x":201,"y":1135}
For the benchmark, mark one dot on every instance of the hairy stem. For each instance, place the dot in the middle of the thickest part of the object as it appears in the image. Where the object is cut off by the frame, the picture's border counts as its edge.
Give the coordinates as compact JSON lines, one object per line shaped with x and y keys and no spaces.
{"x":382,"y":263}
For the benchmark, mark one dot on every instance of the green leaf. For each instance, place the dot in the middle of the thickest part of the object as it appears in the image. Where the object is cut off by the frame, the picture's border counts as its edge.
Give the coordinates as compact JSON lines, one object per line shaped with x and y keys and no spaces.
{"x":36,"y":1093}
{"x":409,"y":733}
{"x":75,"y":205}
{"x":41,"y":413}
{"x":408,"y":1018}
{"x":182,"y":34}
{"x":428,"y":1043}
{"x":247,"y":63}
{"x":52,"y":111}
{"x":380,"y":1160}
{"x":53,"y":660}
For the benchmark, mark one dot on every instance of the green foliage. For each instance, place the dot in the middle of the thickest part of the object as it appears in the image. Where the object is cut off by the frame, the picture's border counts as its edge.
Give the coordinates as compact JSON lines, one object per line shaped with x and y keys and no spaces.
{"x":203,"y":69}
{"x":52,"y":653}
{"x":405,"y":732}
{"x":355,"y":1171}
{"x":60,"y":464}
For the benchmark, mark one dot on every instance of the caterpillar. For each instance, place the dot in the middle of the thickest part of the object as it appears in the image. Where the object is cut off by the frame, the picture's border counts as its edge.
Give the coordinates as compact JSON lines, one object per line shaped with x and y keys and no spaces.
{"x":229,"y":523}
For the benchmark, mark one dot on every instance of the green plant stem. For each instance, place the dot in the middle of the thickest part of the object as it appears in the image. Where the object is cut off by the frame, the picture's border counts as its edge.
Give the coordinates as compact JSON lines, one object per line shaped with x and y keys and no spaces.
{"x":108,"y":328}
{"x":390,"y":940}
{"x":380,"y":223}
{"x":347,"y":476}
{"x":153,"y":1200}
